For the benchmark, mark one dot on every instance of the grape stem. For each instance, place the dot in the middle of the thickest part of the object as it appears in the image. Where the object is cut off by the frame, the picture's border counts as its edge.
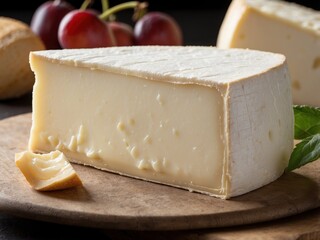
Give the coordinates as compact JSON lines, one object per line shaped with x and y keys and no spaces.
{"x":85,"y":4}
{"x":138,"y":6}
{"x":105,"y":5}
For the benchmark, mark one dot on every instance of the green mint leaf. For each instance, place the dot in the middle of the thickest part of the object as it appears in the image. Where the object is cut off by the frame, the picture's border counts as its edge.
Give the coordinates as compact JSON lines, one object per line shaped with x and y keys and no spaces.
{"x":306,"y":121}
{"x":308,"y":150}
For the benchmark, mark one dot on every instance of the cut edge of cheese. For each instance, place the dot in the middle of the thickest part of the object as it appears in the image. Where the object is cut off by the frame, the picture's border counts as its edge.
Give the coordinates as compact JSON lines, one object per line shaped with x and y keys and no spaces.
{"x":47,"y":172}
{"x":243,"y":89}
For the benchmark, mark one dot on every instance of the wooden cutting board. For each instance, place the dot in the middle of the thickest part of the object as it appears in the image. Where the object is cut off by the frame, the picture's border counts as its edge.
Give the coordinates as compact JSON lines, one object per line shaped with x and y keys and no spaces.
{"x":116,"y":202}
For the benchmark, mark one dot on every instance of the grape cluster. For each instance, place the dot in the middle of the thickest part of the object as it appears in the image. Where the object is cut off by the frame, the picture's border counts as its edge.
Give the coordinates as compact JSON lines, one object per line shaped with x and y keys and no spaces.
{"x":61,"y":25}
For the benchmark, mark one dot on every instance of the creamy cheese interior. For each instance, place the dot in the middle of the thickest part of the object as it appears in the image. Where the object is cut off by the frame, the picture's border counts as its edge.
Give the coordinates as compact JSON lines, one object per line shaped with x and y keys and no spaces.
{"x":158,"y":131}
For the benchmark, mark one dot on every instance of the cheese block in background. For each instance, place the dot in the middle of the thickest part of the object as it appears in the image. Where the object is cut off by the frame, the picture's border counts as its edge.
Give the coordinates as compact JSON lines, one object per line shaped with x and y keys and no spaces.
{"x":214,"y":121}
{"x":280,"y":27}
{"x":16,"y":42}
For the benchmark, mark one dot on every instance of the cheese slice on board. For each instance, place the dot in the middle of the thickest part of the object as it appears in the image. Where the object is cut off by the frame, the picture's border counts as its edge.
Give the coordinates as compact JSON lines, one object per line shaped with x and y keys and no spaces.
{"x":214,"y":121}
{"x":47,"y":172}
{"x":281,"y":27}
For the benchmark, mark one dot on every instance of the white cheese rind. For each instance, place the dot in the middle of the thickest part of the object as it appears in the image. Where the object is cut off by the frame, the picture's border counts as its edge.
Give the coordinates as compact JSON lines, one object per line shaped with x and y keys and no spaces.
{"x":205,"y":66}
{"x":281,"y":27}
{"x":148,"y":121}
{"x":262,"y":121}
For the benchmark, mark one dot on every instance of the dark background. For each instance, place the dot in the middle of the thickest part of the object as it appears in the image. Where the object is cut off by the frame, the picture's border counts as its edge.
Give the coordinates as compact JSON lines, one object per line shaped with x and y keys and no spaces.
{"x":200,"y":21}
{"x":162,"y":5}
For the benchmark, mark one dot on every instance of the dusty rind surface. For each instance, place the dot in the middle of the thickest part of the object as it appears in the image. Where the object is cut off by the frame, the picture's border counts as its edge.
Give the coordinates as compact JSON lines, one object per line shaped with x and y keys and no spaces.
{"x":117,"y":202}
{"x":174,"y":64}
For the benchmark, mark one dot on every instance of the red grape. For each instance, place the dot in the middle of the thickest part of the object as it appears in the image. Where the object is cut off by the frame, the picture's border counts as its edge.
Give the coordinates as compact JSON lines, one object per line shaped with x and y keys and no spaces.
{"x":122,"y":32}
{"x":46,"y":19}
{"x":157,"y":28}
{"x":84,"y":29}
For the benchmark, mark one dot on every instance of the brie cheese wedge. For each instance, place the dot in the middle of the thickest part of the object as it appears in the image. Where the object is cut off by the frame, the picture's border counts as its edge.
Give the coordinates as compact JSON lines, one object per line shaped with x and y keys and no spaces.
{"x":280,"y":27}
{"x":219,"y":122}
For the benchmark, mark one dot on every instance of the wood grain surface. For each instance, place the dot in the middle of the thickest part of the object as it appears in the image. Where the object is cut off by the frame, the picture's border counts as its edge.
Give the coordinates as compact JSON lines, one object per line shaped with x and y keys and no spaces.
{"x":112,"y":201}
